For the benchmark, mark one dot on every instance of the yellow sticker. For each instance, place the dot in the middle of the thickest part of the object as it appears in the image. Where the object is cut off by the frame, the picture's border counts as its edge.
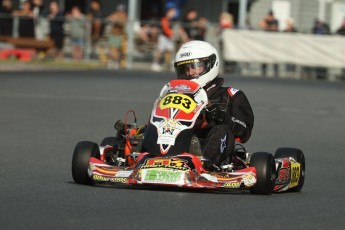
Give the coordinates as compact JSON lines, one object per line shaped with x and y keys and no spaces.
{"x":232,"y":184}
{"x":178,"y":101}
{"x":295,"y":174}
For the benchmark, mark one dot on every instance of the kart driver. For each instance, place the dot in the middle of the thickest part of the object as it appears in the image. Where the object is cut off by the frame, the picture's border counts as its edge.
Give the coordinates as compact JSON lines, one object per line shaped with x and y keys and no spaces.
{"x":228,"y":116}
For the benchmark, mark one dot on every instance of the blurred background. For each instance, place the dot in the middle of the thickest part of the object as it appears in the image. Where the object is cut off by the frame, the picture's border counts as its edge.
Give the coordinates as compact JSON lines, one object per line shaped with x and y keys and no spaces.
{"x":264,"y":38}
{"x":286,"y":55}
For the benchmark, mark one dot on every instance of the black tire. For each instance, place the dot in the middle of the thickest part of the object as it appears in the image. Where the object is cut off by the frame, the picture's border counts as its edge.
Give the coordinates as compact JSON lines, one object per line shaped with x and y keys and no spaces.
{"x":80,"y":162}
{"x":112,"y":141}
{"x":265,"y":173}
{"x":298,"y":155}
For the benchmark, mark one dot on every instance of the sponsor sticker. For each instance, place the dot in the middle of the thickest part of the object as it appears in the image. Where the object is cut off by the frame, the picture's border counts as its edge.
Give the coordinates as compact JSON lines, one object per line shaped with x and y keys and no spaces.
{"x":119,"y":180}
{"x":232,"y":184}
{"x":233,"y":91}
{"x":209,"y":177}
{"x":222,"y":144}
{"x":182,"y":87}
{"x":168,"y":130}
{"x":249,"y":179}
{"x":162,"y":176}
{"x":166,"y":139}
{"x":283,"y":176}
{"x":100,"y":178}
{"x":186,"y":54}
{"x":239,"y":122}
{"x":126,"y":173}
{"x":96,"y":177}
{"x":177,"y":163}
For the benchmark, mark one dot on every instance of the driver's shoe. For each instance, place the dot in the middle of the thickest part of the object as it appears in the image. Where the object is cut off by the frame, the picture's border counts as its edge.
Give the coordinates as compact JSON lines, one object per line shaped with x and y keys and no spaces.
{"x":209,"y":166}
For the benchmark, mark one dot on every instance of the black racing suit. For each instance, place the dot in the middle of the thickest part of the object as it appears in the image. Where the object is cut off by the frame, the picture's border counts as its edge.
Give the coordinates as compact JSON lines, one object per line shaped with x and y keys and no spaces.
{"x":229,"y":117}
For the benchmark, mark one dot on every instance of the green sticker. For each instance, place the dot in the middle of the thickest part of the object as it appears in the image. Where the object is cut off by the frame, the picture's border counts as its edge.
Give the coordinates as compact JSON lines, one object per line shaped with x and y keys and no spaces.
{"x":163,"y":176}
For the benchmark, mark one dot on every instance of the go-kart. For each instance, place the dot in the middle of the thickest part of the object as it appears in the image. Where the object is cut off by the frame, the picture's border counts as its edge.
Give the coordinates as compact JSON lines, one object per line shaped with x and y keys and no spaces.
{"x":160,"y":153}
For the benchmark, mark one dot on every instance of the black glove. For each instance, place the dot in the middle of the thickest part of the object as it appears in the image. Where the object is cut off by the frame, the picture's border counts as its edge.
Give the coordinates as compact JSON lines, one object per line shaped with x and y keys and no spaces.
{"x":212,"y":113}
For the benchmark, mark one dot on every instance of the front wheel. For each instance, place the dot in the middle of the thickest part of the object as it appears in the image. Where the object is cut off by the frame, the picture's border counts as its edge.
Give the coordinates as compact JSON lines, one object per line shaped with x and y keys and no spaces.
{"x":80,"y":162}
{"x":298,"y":156}
{"x":264,"y":164}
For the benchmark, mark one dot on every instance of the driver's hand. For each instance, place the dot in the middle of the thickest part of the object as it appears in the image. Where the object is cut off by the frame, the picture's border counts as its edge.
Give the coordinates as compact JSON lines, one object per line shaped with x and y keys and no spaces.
{"x":212,"y":113}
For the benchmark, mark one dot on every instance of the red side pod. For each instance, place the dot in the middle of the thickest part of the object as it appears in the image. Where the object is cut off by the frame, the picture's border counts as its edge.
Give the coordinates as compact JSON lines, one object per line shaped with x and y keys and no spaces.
{"x":196,"y":161}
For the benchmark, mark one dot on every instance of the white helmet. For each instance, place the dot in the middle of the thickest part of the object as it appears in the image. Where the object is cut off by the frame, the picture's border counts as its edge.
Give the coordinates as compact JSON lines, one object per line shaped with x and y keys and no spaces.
{"x":195,"y":54}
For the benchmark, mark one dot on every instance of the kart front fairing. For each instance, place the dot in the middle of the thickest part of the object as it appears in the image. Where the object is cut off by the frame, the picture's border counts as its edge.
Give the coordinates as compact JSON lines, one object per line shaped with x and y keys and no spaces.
{"x":173,"y":118}
{"x":184,"y":170}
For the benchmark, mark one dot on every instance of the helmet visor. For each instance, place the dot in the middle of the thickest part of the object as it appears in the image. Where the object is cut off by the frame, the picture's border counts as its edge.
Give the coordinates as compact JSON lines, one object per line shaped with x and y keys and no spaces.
{"x":193,"y":68}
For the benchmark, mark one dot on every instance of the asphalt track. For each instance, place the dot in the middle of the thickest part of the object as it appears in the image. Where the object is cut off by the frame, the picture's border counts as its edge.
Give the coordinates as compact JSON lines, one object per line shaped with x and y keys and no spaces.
{"x":43,"y":115}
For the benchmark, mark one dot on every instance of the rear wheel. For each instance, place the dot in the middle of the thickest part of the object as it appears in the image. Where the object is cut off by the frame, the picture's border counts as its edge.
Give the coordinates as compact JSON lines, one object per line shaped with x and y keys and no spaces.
{"x":80,"y":162}
{"x":265,"y":173}
{"x":298,"y":156}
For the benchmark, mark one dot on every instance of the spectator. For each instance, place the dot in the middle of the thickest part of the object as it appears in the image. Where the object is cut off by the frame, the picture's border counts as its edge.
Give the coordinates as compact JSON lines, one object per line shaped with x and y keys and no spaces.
{"x":77,"y":22}
{"x":6,"y":21}
{"x":39,"y":19}
{"x":247,"y":24}
{"x":148,"y":33}
{"x":119,"y":16}
{"x":96,"y":16}
{"x":320,"y":28}
{"x":117,"y":39}
{"x":203,"y":27}
{"x":38,"y":7}
{"x":176,"y":4}
{"x":225,"y":22}
{"x":290,"y":28}
{"x":269,"y":23}
{"x":192,"y":28}
{"x":165,"y":41}
{"x":341,"y":29}
{"x":116,"y":47}
{"x":146,"y":38}
{"x":26,"y":20}
{"x":56,"y":18}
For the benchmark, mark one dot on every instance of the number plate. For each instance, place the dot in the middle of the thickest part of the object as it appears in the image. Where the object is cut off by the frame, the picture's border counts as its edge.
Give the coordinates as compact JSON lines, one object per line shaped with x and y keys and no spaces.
{"x":178,"y":101}
{"x":295,"y":174}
